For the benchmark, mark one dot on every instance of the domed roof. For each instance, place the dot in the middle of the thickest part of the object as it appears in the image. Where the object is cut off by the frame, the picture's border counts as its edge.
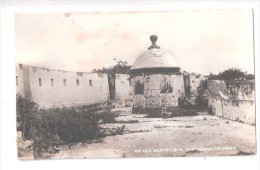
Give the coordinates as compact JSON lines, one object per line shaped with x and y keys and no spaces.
{"x":154,"y":58}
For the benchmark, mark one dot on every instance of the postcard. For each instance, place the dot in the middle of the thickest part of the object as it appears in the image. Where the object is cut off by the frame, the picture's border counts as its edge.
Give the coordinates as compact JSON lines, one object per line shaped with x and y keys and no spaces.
{"x":175,"y":83}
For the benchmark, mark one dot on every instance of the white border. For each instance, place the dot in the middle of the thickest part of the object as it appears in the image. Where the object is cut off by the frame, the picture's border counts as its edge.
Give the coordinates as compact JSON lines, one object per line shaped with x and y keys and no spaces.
{"x":8,"y":133}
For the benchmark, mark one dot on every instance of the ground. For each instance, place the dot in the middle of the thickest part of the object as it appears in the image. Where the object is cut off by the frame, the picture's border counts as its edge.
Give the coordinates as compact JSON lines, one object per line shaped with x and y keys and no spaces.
{"x":201,"y":135}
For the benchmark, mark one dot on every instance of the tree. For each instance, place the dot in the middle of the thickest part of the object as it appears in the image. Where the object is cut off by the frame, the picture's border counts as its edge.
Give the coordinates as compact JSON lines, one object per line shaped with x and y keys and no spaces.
{"x":121,"y":67}
{"x":230,"y":74}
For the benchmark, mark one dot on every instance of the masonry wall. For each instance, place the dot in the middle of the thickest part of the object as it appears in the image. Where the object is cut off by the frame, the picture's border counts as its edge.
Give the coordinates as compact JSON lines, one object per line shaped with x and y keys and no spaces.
{"x":241,"y":89}
{"x":216,"y":106}
{"x":238,"y":110}
{"x":123,"y":93}
{"x":152,"y":96}
{"x":61,"y":88}
{"x":195,"y":83}
{"x":19,"y":80}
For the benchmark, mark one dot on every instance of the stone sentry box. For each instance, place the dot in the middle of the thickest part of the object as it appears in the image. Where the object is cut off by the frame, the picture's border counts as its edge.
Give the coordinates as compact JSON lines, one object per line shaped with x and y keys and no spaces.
{"x":156,"y":80}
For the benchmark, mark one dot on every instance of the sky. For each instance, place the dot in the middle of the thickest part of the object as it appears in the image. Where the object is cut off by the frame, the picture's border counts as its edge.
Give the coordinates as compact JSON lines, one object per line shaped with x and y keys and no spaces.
{"x":201,"y":41}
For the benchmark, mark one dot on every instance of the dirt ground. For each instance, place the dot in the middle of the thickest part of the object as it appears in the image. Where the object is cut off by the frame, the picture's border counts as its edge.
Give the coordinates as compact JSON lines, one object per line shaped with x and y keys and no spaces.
{"x":201,"y":135}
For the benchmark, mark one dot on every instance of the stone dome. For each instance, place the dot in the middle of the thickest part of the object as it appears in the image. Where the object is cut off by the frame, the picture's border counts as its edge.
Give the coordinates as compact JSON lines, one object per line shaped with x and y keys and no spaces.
{"x":155,"y":58}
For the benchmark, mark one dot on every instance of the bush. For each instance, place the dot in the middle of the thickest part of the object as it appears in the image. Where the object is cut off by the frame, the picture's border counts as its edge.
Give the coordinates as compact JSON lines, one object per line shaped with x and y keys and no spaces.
{"x":136,"y":109}
{"x":210,"y":110}
{"x":186,"y":102}
{"x":201,"y":104}
{"x":154,"y":112}
{"x":73,"y":125}
{"x":107,"y":117}
{"x":176,"y":111}
{"x":25,"y":113}
{"x":55,"y":126}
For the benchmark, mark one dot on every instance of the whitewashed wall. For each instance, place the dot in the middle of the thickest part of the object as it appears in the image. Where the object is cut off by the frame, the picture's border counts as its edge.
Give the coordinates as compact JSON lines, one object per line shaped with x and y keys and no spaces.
{"x":123,"y":93}
{"x":59,"y":94}
{"x":19,"y":80}
{"x":216,"y":106}
{"x":238,"y":110}
{"x":195,"y":82}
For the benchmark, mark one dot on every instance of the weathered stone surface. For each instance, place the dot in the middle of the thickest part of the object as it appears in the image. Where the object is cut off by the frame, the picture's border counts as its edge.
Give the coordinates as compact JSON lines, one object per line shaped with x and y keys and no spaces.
{"x":153,"y":96}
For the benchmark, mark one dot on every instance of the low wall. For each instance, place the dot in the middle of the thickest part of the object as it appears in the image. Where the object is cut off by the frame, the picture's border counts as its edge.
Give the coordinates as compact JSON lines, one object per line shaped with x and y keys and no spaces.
{"x":238,"y":110}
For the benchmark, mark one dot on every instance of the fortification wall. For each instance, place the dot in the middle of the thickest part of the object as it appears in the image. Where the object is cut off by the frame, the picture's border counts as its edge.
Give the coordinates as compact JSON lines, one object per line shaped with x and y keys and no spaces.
{"x":216,"y":106}
{"x":62,"y":88}
{"x":123,"y":93}
{"x":19,"y":80}
{"x":238,"y":110}
{"x":241,"y":89}
{"x":195,"y":83}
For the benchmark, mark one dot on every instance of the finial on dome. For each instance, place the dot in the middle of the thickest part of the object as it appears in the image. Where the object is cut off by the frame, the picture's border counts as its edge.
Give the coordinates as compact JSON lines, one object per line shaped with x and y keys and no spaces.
{"x":153,"y":38}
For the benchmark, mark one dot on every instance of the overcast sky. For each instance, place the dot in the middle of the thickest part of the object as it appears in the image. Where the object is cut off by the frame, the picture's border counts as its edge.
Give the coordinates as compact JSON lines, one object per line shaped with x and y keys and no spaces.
{"x":200,"y":41}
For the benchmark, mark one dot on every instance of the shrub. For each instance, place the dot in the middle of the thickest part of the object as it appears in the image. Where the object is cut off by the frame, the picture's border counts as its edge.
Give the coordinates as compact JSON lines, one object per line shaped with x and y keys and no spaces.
{"x":154,"y":112}
{"x":185,"y":102}
{"x":107,"y":117}
{"x":73,"y":125}
{"x":210,"y":110}
{"x":25,"y":113}
{"x":127,"y":121}
{"x":136,"y":109}
{"x":201,"y":104}
{"x":55,"y":126}
{"x":176,"y":111}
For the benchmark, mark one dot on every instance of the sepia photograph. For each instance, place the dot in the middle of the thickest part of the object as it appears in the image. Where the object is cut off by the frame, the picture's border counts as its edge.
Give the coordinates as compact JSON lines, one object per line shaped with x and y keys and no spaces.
{"x":141,"y":84}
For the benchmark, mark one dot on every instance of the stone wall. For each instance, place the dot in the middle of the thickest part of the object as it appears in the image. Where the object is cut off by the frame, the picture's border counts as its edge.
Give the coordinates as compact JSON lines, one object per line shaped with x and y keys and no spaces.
{"x":61,"y":88}
{"x":123,"y":93}
{"x":158,"y":89}
{"x":241,"y":89}
{"x":238,"y":110}
{"x":20,"y":80}
{"x":216,"y":106}
{"x":195,"y":82}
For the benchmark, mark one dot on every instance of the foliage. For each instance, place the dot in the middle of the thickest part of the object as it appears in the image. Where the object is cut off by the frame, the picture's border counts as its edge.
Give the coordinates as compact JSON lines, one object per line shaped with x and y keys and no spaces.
{"x":201,"y":103}
{"x":51,"y":127}
{"x":154,"y":112}
{"x":107,"y":117}
{"x":185,"y":102}
{"x":230,"y":74}
{"x":114,"y":131}
{"x":127,"y":121}
{"x":26,"y":113}
{"x":176,"y":111}
{"x":121,"y":67}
